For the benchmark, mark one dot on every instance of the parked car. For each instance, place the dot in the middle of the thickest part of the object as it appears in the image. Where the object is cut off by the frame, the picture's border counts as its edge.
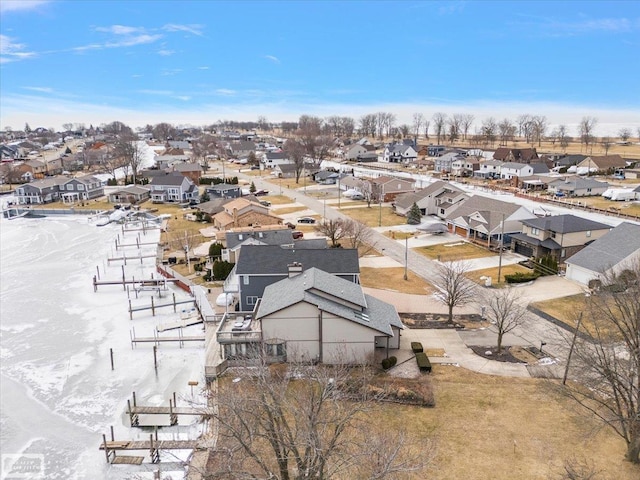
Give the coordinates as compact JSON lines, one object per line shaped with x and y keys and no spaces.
{"x":261,"y":193}
{"x":255,"y":167}
{"x":290,"y":225}
{"x":306,"y":220}
{"x":357,"y":196}
{"x":297,"y":234}
{"x":265,"y":203}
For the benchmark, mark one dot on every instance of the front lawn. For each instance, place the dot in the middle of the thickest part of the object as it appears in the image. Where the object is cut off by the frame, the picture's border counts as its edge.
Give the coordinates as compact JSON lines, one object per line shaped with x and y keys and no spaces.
{"x":372,"y":217}
{"x":454,"y":251}
{"x":393,"y":279}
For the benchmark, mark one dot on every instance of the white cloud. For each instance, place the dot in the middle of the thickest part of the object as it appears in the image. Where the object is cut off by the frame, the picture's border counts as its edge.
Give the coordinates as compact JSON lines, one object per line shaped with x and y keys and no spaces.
{"x":167,"y":72}
{"x":166,"y":53}
{"x":120,"y":29}
{"x":156,"y":92}
{"x":226,"y":92}
{"x":272,"y":58}
{"x":193,"y":29}
{"x":11,"y":51}
{"x":184,"y":98}
{"x":17,"y":5}
{"x":203,"y":68}
{"x":40,"y":89}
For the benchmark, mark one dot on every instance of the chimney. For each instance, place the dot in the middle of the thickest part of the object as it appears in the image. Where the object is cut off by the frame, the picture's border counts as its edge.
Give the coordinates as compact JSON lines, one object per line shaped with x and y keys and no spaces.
{"x":294,"y":268}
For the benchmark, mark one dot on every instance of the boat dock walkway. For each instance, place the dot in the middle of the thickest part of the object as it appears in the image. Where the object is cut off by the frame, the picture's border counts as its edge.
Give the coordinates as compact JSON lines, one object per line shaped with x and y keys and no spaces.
{"x":134,"y":411}
{"x":154,"y":446}
{"x":157,"y":339}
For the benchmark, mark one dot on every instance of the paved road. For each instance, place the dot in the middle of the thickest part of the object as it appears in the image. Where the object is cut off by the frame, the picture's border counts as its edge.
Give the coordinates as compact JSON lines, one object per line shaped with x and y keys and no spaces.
{"x":532,"y":332}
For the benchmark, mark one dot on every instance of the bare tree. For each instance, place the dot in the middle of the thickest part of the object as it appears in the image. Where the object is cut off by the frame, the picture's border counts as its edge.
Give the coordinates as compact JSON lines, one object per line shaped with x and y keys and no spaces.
{"x":455,"y":288}
{"x":455,"y":126}
{"x":185,"y":242}
{"x":347,"y":125}
{"x":539,"y":126}
{"x":204,"y":149}
{"x":607,"y":143}
{"x":586,"y":130}
{"x":129,"y":149}
{"x":418,"y":122}
{"x":439,"y":123}
{"x":489,"y":130}
{"x":560,"y":135}
{"x":263,"y":124}
{"x":579,"y":469}
{"x":524,"y":126}
{"x":505,"y":309}
{"x":624,"y":134}
{"x":427,"y":124}
{"x":465,"y":125}
{"x":296,"y":152}
{"x":404,"y":130}
{"x":358,"y":235}
{"x":113,"y":161}
{"x":606,"y":366}
{"x":368,"y":125}
{"x":299,"y":422}
{"x":333,"y":229}
{"x":506,"y":130}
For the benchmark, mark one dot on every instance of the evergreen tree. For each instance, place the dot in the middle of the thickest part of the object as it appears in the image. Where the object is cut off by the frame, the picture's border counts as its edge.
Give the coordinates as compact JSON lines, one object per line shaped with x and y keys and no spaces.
{"x":252,"y":188}
{"x":27,"y":128}
{"x":414,"y":217}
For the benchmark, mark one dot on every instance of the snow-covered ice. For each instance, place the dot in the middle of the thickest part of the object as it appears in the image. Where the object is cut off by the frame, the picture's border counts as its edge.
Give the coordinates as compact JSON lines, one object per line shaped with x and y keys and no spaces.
{"x":58,"y":392}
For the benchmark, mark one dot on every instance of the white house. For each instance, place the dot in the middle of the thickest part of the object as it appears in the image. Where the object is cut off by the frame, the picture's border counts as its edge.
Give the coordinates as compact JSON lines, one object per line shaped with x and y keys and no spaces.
{"x":509,"y":170}
{"x":399,"y":153}
{"x":489,"y":169}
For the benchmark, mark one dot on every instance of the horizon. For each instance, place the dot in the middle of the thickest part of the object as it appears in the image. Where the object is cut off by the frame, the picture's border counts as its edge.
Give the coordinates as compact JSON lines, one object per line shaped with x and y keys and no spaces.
{"x":195,"y":63}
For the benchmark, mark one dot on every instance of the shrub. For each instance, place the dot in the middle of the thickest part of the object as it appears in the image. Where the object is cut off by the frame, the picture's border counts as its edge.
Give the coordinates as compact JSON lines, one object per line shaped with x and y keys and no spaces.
{"x":392,"y":361}
{"x":416,"y":347}
{"x":423,"y":362}
{"x":521,"y":277}
{"x":386,"y":364}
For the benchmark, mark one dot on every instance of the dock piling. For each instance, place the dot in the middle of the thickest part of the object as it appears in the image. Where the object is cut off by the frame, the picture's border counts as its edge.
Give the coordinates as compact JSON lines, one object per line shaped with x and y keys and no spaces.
{"x":98,"y":271}
{"x":113,"y":438}
{"x":123,"y":279}
{"x":111,"y":355}
{"x":155,"y":357}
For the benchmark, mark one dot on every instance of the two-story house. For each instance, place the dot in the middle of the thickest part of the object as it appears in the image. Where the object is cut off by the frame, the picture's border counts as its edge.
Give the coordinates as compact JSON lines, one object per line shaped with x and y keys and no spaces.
{"x":515,"y":155}
{"x":82,"y":188}
{"x":224,"y":190}
{"x":271,"y":159}
{"x":443,"y":163}
{"x":489,"y":169}
{"x":558,"y":236}
{"x":173,"y":187}
{"x":357,"y":150}
{"x":261,"y":265}
{"x":41,"y":191}
{"x":400,"y":153}
{"x":510,"y":170}
{"x":241,"y":212}
{"x":386,"y":189}
{"x":465,"y":166}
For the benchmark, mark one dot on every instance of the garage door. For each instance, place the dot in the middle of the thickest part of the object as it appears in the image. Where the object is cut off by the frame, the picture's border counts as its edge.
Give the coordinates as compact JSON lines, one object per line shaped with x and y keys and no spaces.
{"x":461,"y":231}
{"x":523,"y":249}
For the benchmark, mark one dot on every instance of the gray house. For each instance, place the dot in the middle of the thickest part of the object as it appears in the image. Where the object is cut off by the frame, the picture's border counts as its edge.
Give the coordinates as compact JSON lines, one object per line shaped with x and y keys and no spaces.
{"x":224,"y":190}
{"x":82,"y":188}
{"x":263,"y":265}
{"x":40,"y":191}
{"x":443,"y":164}
{"x":173,"y":187}
{"x":577,"y":187}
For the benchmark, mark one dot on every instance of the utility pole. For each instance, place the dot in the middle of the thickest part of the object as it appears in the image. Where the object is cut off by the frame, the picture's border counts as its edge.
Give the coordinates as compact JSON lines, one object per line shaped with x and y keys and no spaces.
{"x":573,"y":344}
{"x":501,"y":247}
{"x":406,"y":257}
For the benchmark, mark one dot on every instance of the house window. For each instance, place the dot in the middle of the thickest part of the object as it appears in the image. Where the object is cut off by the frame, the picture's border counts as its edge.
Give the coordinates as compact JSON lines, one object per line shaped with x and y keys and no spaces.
{"x":69,"y":186}
{"x":553,"y":234}
{"x":252,"y":300}
{"x":535,"y":231}
{"x":588,"y":233}
{"x":563,"y":253}
{"x":245,"y":279}
{"x":80,"y":187}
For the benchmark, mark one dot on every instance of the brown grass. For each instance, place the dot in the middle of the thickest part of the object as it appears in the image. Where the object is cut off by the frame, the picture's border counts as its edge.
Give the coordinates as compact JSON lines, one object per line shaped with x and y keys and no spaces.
{"x":455,"y":251}
{"x":493,"y":273}
{"x":628,"y":208}
{"x":278,"y":199}
{"x":505,"y":429}
{"x":284,"y":211}
{"x":393,"y":279}
{"x":371,"y":216}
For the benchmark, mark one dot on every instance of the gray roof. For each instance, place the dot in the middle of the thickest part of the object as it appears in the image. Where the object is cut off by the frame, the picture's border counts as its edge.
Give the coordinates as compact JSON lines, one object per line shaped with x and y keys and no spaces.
{"x":406,"y":200}
{"x":273,"y":260}
{"x":539,"y":167}
{"x":514,"y":165}
{"x":281,"y":236}
{"x":478,"y":203}
{"x":577,"y":183}
{"x":547,"y":243}
{"x":311,"y":243}
{"x":610,"y":249}
{"x":331,"y":294}
{"x":565,"y":224}
{"x":169,"y":179}
{"x":223,"y":187}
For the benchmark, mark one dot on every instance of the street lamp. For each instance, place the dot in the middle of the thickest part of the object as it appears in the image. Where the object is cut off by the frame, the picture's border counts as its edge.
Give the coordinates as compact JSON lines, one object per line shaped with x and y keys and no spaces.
{"x":542,"y":344}
{"x":380,"y":212}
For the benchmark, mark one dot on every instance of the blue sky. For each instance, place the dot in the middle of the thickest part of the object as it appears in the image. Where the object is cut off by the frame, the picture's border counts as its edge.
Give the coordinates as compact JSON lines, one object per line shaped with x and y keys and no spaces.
{"x":194,"y":62}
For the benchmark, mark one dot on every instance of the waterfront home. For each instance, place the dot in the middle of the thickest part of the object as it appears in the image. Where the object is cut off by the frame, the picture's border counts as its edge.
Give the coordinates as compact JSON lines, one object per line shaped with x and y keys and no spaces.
{"x":436,"y":199}
{"x":172,"y":188}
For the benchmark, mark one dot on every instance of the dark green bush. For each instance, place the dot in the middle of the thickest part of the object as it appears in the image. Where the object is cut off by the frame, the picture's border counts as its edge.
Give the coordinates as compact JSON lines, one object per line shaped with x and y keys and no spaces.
{"x":386,"y":364}
{"x":423,"y":362}
{"x":520,"y":277}
{"x":392,"y":361}
{"x":416,"y":347}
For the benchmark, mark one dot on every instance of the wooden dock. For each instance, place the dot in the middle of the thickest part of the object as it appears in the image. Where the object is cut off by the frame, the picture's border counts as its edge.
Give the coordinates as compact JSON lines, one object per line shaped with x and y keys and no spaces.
{"x":134,"y":411}
{"x":179,"y":324}
{"x":152,"y":445}
{"x":155,"y":283}
{"x":153,"y":306}
{"x":157,"y":339}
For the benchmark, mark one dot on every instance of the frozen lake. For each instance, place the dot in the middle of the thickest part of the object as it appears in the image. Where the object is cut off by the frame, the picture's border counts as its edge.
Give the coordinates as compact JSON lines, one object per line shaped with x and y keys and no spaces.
{"x":58,"y":392}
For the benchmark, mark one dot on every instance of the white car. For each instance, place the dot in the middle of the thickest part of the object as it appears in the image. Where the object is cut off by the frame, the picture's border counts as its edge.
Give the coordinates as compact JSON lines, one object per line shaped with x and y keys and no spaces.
{"x":225,"y":299}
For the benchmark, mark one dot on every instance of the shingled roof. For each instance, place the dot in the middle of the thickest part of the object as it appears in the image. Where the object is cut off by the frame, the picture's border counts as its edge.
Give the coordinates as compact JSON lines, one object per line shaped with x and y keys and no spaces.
{"x":273,"y":260}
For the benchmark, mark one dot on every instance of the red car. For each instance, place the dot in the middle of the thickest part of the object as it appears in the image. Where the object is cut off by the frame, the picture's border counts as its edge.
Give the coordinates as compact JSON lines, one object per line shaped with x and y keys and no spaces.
{"x":297,"y":234}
